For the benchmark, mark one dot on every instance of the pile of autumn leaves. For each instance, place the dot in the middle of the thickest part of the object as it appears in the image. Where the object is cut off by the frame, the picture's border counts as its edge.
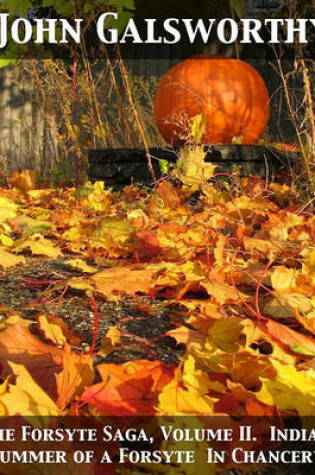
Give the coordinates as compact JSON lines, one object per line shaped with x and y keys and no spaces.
{"x":238,"y":263}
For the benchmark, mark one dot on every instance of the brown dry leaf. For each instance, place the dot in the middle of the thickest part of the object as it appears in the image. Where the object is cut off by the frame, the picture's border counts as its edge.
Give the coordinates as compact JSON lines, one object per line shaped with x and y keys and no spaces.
{"x":286,"y":304}
{"x":169,"y":194}
{"x":267,"y":248}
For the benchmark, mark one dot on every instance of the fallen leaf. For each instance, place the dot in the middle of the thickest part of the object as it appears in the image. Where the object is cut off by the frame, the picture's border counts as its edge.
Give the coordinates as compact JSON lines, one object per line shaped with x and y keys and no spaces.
{"x":227,"y":334}
{"x":297,"y":342}
{"x":123,"y":280}
{"x":129,"y":389}
{"x":109,"y":341}
{"x":286,"y":304}
{"x":51,"y":331}
{"x":8,"y":260}
{"x":38,"y":246}
{"x":289,"y":390}
{"x":76,"y":375}
{"x":26,"y":397}
{"x":81,"y":266}
{"x":20,"y":346}
{"x":24,"y":180}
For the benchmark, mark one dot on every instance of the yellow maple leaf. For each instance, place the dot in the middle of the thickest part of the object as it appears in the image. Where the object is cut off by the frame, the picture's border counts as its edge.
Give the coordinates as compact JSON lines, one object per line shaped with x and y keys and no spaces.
{"x":73,"y":234}
{"x":270,"y":249}
{"x":112,"y":233}
{"x":28,"y":226}
{"x":94,"y":196}
{"x":109,"y":341}
{"x":189,"y":337}
{"x":227,"y":334}
{"x":309,"y":257}
{"x":38,"y":246}
{"x":6,"y":241}
{"x":3,"y":390}
{"x":174,"y":399}
{"x":8,"y":260}
{"x":290,"y":389}
{"x":123,"y":280}
{"x":283,"y":278}
{"x":308,"y":321}
{"x":26,"y":397}
{"x":51,"y":331}
{"x":81,"y":266}
{"x":8,"y":209}
{"x":280,"y":229}
{"x":193,"y":171}
{"x":222,"y":293}
{"x":188,"y":392}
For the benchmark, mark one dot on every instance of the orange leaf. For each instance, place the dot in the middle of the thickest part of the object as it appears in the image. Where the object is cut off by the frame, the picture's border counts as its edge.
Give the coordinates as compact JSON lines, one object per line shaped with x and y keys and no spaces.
{"x":297,"y":342}
{"x":123,"y":280}
{"x":77,"y":373}
{"x":129,"y":389}
{"x":20,"y":346}
{"x":25,"y":180}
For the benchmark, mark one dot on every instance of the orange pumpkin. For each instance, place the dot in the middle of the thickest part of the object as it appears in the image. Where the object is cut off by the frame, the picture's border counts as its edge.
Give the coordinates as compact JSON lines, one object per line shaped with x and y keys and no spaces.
{"x":229,"y":93}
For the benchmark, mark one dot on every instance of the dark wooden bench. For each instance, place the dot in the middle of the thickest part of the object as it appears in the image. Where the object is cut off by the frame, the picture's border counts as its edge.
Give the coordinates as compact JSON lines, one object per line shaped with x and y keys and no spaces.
{"x":121,"y":166}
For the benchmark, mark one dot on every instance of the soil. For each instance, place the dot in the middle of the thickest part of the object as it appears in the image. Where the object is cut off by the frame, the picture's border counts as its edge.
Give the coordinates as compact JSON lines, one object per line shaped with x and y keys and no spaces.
{"x":20,"y":294}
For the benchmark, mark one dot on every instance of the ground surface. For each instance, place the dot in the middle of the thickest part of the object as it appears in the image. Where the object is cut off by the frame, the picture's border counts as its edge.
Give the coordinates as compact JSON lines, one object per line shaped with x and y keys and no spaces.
{"x":18,"y":294}
{"x":180,"y":300}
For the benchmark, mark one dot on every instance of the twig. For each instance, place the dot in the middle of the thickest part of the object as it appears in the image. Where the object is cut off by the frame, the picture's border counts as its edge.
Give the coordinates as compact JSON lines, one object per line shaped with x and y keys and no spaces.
{"x":135,"y":112}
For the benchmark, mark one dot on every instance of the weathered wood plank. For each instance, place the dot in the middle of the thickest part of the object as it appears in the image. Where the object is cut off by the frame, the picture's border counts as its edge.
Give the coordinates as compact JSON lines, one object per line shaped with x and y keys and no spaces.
{"x":120,"y":166}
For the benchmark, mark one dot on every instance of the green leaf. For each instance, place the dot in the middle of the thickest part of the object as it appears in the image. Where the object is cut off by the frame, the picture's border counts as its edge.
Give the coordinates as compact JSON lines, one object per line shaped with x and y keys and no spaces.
{"x":6,"y":62}
{"x":121,"y":5}
{"x":122,"y":21}
{"x":165,"y":166}
{"x":67,"y":8}
{"x":17,"y":6}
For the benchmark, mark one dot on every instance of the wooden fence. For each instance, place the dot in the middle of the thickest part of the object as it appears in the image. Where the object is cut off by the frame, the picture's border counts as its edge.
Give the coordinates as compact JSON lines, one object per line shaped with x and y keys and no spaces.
{"x":30,"y":137}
